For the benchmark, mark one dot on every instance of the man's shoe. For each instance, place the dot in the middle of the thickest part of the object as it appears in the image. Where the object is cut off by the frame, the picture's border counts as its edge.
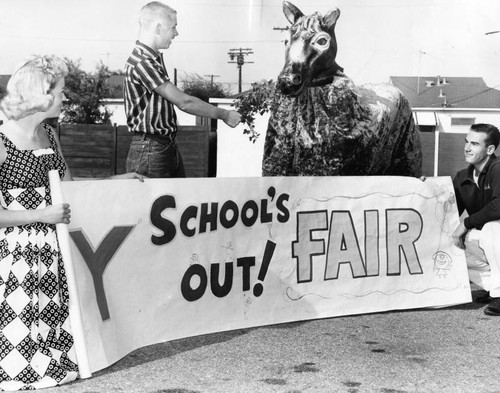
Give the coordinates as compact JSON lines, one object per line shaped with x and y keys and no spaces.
{"x":484,"y":299}
{"x":493,"y":308}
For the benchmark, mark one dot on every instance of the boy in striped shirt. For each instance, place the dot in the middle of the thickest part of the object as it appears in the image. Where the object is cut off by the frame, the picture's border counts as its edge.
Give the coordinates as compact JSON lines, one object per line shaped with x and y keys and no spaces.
{"x":150,"y":98}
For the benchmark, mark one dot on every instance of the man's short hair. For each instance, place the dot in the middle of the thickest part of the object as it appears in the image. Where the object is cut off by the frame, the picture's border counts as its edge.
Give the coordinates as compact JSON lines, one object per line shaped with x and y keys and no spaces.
{"x":154,"y":10}
{"x":29,"y":89}
{"x":492,"y":133}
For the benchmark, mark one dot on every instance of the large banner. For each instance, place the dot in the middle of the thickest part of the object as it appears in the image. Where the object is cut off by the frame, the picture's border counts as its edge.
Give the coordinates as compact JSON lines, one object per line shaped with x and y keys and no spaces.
{"x":173,"y":258}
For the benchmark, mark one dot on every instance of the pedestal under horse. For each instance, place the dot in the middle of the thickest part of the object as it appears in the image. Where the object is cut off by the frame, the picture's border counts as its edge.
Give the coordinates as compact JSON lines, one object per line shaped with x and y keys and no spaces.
{"x":322,"y":124}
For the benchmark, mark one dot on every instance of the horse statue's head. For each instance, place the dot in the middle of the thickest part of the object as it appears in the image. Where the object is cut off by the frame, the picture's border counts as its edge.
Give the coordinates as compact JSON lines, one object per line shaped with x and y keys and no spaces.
{"x":310,"y":52}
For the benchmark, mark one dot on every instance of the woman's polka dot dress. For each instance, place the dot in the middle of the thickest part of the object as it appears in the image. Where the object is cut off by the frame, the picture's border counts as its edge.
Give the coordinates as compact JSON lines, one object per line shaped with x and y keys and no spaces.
{"x":36,"y":344}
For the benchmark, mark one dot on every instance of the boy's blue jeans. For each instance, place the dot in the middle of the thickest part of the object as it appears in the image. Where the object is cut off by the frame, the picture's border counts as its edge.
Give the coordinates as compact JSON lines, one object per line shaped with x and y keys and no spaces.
{"x":155,"y":157}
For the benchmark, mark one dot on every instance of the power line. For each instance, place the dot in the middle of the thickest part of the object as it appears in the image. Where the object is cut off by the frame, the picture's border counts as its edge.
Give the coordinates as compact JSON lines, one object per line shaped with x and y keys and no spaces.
{"x":131,"y":41}
{"x":474,"y":95}
{"x":212,"y":76}
{"x":416,"y":3}
{"x":281,"y":30}
{"x":227,"y":41}
{"x":237,"y":55}
{"x":27,"y":37}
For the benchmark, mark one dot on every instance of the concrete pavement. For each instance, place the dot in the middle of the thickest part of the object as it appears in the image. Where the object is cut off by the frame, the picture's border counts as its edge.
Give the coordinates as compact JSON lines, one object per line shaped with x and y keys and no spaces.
{"x":454,"y":349}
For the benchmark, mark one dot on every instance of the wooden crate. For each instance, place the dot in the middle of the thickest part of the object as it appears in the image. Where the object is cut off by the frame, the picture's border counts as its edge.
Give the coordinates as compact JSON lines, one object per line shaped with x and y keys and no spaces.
{"x":89,"y":149}
{"x":428,"y":143}
{"x":123,"y":138}
{"x":100,"y":151}
{"x":451,"y":153}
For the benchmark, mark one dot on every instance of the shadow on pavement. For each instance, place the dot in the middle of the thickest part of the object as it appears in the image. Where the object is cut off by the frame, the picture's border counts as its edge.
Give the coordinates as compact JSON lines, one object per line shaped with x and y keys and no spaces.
{"x":169,"y":348}
{"x":471,"y":306}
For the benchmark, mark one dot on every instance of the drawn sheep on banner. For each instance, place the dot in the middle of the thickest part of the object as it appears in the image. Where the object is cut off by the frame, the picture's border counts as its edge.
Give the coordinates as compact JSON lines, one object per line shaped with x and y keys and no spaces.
{"x":322,"y":124}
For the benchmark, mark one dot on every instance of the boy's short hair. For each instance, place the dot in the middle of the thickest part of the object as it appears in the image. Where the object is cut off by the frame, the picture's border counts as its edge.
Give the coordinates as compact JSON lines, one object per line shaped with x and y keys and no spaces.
{"x":492,"y":133}
{"x":29,"y":89}
{"x":154,"y":10}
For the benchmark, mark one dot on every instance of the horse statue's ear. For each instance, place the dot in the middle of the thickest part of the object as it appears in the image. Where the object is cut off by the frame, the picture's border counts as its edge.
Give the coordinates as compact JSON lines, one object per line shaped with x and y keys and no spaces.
{"x":291,"y":12}
{"x":330,"y":19}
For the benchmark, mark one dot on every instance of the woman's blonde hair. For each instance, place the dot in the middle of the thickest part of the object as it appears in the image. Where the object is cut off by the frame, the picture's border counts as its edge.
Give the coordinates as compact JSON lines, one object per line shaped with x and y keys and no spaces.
{"x":29,"y":89}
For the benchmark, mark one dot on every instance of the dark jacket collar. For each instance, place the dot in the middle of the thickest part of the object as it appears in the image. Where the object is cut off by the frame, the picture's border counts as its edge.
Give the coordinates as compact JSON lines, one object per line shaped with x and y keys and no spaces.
{"x":470,"y":168}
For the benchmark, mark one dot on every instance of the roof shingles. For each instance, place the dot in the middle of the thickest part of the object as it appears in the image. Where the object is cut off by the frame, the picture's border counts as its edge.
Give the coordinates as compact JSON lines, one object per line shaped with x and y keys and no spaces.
{"x":456,"y":92}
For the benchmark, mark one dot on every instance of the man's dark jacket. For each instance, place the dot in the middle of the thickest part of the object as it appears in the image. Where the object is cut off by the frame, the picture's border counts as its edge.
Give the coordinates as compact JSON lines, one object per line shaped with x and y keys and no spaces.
{"x":481,"y":201}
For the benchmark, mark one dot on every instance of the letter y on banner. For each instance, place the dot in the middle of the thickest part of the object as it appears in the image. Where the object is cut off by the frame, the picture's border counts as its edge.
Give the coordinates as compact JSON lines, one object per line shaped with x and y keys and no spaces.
{"x":75,"y":312}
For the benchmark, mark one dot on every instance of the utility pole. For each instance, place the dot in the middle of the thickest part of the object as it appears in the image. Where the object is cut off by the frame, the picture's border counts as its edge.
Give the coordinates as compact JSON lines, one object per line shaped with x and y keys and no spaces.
{"x":281,"y":30}
{"x":420,"y":53}
{"x":239,"y":54}
{"x":212,"y":76}
{"x":107,"y":57}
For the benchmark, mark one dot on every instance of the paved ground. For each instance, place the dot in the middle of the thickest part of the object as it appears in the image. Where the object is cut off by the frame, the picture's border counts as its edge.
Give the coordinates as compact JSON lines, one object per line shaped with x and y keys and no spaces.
{"x":454,"y":349}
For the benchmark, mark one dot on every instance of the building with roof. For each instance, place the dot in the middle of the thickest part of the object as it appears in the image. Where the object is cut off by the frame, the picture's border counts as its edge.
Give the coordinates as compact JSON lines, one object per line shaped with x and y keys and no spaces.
{"x":449,"y":104}
{"x":444,"y":109}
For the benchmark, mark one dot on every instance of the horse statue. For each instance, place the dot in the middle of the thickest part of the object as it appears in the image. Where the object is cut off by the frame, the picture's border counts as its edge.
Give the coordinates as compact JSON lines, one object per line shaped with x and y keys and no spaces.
{"x":321,"y":124}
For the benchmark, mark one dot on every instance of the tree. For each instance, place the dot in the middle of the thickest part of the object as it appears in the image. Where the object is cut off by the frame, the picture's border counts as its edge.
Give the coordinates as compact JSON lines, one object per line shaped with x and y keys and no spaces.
{"x":195,"y":85}
{"x":85,"y":93}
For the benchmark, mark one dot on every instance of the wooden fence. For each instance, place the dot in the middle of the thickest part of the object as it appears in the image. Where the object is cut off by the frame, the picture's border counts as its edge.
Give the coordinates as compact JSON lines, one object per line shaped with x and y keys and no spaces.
{"x":93,"y":150}
{"x":101,"y":151}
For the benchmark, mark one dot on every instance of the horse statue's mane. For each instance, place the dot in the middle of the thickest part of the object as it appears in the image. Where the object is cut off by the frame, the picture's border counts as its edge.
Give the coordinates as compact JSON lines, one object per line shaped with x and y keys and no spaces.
{"x":323,"y":124}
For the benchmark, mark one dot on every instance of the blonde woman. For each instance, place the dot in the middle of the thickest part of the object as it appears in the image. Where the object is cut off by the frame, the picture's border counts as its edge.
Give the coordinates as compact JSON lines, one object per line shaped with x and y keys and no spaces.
{"x":37,"y":348}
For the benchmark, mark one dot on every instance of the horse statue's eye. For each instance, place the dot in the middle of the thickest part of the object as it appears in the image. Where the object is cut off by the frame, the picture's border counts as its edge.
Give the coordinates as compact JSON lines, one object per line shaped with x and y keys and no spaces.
{"x":321,"y":41}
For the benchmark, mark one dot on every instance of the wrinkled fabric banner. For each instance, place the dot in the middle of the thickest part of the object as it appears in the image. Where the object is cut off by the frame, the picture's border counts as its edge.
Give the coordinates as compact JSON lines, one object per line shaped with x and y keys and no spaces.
{"x":173,"y":258}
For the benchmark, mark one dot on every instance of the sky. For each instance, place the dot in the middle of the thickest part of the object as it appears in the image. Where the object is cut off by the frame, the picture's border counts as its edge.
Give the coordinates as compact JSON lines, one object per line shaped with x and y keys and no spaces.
{"x":376,"y":38}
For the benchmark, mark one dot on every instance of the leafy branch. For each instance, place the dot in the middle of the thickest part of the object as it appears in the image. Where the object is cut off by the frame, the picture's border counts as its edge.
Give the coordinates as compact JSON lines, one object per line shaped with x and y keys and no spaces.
{"x":259,"y":100}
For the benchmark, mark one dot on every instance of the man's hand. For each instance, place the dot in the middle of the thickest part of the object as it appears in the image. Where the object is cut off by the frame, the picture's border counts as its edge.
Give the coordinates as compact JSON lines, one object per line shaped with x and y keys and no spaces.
{"x":458,"y":236}
{"x":232,"y":119}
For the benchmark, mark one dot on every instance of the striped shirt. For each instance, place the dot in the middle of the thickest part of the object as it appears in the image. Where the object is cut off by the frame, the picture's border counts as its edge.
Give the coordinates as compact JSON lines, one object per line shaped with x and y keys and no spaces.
{"x":147,"y":111}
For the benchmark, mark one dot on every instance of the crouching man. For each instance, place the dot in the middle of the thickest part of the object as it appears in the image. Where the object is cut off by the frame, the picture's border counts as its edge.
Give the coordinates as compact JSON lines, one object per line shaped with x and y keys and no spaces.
{"x":477,"y":189}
